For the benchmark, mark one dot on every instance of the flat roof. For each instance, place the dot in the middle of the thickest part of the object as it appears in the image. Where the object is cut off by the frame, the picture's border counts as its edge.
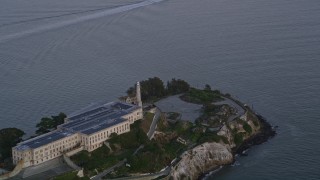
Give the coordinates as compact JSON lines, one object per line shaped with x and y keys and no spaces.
{"x":104,"y":115}
{"x":43,"y":139}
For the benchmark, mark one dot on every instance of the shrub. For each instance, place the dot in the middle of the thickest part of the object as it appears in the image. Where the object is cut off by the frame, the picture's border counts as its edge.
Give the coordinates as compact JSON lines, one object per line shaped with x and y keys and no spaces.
{"x":213,"y":137}
{"x":238,"y":138}
{"x":224,"y":139}
{"x":9,"y":137}
{"x":201,"y":96}
{"x":70,"y":176}
{"x":131,"y":139}
{"x":255,"y":123}
{"x":247,"y":128}
{"x":177,"y":86}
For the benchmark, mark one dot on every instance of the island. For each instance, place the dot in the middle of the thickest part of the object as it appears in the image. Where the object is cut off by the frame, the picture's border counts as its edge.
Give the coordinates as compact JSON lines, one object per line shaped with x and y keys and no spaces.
{"x":156,"y":131}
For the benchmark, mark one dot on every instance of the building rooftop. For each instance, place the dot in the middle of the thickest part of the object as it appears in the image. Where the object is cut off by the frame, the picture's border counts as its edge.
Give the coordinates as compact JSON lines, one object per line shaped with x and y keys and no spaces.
{"x":104,"y":115}
{"x":87,"y":121}
{"x":43,"y":139}
{"x":102,"y":126}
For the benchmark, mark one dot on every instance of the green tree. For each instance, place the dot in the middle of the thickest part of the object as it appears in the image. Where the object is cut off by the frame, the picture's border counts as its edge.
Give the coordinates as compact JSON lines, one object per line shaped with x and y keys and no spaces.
{"x":247,"y":128}
{"x":9,"y":137}
{"x":152,"y":88}
{"x":209,"y":108}
{"x":58,"y":119}
{"x":207,"y":87}
{"x":131,"y":91}
{"x":47,"y":124}
{"x":177,"y":86}
{"x":238,"y":138}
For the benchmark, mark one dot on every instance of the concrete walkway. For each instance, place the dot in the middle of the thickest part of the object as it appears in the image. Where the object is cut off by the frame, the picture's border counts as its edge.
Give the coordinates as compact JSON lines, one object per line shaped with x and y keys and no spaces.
{"x":70,"y":163}
{"x":153,"y":126}
{"x":109,"y":170}
{"x":149,"y":176}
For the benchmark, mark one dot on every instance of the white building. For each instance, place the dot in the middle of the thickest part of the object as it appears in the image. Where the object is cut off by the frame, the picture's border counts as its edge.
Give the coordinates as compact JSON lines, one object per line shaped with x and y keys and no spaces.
{"x":86,"y":129}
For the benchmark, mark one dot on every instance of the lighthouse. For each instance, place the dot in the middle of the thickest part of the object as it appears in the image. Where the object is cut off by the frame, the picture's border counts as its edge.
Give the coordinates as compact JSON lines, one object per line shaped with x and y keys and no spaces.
{"x":138,"y":95}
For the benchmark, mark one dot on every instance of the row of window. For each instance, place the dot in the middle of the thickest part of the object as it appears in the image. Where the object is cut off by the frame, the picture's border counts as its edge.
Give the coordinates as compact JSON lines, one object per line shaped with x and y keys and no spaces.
{"x":53,"y":146}
{"x":104,"y":135}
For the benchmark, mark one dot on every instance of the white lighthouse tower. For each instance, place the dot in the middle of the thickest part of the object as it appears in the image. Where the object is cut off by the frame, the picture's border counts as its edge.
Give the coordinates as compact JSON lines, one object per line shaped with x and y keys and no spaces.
{"x":138,"y":95}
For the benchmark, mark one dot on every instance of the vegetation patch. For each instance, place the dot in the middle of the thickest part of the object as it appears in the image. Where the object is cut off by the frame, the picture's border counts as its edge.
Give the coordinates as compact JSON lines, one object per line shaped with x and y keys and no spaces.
{"x":251,"y":116}
{"x":123,"y":146}
{"x":162,"y":124}
{"x":154,"y":89}
{"x":47,"y":124}
{"x":151,"y":159}
{"x":202,"y":96}
{"x":70,"y":176}
{"x":156,"y":154}
{"x":147,"y":121}
{"x":172,"y":115}
{"x":212,"y":137}
{"x":238,"y":138}
{"x":9,"y":137}
{"x":132,"y":139}
{"x":247,"y":127}
{"x":99,"y":160}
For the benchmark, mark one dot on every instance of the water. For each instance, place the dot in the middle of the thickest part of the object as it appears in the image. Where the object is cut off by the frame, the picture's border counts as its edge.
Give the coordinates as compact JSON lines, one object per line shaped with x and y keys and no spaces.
{"x":265,"y":52}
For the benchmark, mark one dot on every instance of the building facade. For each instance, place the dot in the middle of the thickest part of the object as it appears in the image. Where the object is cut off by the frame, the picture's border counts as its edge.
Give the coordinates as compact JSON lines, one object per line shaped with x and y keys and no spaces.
{"x":86,"y":129}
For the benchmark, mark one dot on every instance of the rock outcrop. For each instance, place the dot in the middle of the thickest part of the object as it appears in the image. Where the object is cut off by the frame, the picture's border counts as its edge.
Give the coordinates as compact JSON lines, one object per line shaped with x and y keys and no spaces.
{"x":201,"y":159}
{"x":209,"y":156}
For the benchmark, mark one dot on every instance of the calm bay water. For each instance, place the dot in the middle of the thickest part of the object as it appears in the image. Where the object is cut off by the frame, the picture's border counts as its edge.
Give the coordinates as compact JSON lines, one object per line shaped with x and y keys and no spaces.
{"x":265,"y":52}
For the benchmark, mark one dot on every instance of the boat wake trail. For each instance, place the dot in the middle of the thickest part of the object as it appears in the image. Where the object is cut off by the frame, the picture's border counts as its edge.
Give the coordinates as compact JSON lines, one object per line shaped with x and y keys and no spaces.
{"x":60,"y":24}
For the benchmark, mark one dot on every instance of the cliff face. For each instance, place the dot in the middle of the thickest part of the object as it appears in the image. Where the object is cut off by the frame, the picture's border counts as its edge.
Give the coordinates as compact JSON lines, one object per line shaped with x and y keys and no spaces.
{"x":201,"y":159}
{"x":237,"y":127}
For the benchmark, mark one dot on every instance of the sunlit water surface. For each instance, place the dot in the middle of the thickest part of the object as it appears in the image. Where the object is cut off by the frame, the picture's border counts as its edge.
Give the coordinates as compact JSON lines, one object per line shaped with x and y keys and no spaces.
{"x":62,"y":55}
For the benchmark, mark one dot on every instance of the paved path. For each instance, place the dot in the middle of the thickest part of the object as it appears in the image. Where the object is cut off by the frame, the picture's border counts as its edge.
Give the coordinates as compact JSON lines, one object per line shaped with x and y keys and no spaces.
{"x":107,"y":171}
{"x":149,"y":176}
{"x":138,"y":149}
{"x":154,"y":123}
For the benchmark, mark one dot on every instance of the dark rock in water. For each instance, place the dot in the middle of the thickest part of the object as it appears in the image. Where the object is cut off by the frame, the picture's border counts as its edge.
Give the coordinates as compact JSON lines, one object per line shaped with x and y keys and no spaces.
{"x":244,"y":154}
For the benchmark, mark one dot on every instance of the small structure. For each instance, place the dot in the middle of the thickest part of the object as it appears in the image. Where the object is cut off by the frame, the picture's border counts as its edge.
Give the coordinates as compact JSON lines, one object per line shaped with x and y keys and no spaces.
{"x":128,"y":99}
{"x":181,"y":140}
{"x":244,"y":117}
{"x":136,"y":100}
{"x":80,"y":173}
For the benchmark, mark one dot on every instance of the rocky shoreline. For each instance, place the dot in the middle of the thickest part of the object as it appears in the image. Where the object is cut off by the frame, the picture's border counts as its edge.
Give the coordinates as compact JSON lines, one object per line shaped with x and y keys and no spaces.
{"x":267,"y":131}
